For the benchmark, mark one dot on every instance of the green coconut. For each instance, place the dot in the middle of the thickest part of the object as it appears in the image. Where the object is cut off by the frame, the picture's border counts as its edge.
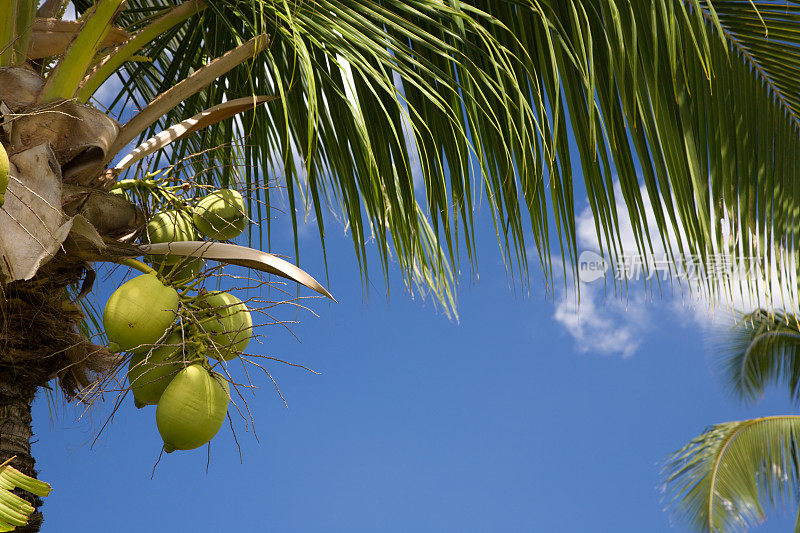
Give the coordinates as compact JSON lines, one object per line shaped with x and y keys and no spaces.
{"x":170,"y":226}
{"x":173,"y":226}
{"x":192,"y":408}
{"x":221,"y":215}
{"x":149,"y":373}
{"x":139,"y":313}
{"x":227,"y":320}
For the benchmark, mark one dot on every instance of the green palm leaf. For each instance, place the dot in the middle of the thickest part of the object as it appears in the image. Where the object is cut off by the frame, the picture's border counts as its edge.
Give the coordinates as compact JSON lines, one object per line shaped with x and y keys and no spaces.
{"x":394,"y":108}
{"x":722,"y":479}
{"x":767,"y":39}
{"x":762,"y":349}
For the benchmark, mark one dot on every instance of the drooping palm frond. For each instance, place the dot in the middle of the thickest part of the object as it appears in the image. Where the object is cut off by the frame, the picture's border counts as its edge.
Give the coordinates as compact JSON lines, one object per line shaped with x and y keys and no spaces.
{"x":388,"y":107}
{"x":762,"y":194}
{"x":761,"y":349}
{"x":722,"y":480}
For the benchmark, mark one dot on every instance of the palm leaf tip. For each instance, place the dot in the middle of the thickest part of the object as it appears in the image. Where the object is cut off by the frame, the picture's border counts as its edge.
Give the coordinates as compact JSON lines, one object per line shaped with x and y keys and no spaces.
{"x":723,"y":479}
{"x":760,"y":350}
{"x":238,"y":255}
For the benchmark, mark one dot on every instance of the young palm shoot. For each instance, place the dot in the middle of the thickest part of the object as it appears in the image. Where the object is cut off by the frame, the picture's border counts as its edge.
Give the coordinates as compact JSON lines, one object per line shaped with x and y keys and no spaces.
{"x":66,"y":76}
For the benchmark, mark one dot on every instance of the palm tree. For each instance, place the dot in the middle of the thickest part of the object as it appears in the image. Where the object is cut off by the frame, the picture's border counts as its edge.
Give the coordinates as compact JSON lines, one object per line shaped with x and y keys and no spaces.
{"x":722,"y":479}
{"x":397,"y":116}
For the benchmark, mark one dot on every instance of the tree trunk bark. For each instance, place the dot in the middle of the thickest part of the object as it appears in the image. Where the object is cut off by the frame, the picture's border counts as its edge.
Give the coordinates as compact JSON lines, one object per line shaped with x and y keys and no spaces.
{"x":16,"y":431}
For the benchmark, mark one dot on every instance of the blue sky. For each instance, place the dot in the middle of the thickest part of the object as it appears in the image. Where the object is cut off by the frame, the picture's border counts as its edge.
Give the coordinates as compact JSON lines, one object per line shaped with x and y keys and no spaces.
{"x":502,"y":422}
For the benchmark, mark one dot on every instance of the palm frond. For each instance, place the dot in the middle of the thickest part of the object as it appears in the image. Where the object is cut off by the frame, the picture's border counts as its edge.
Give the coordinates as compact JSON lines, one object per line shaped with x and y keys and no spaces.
{"x":390,"y":107}
{"x":762,"y":349}
{"x":65,"y":77}
{"x":766,"y":39}
{"x":722,"y":480}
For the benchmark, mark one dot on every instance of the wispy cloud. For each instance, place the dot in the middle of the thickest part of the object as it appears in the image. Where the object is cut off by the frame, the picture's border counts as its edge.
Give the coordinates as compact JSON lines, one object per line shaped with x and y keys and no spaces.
{"x":606,"y":319}
{"x":613,"y":320}
{"x":603,"y":326}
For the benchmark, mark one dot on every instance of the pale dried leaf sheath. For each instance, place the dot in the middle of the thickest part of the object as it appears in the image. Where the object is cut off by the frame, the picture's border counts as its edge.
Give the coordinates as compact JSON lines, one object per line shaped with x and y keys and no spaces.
{"x":237,"y":255}
{"x":80,"y":135}
{"x":33,"y":224}
{"x":51,"y":37}
{"x":202,"y":120}
{"x":51,"y":8}
{"x":19,"y":87}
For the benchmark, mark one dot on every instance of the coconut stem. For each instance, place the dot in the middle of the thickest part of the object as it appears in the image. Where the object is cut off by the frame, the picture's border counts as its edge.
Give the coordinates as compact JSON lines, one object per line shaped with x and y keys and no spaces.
{"x":191,"y":285}
{"x":145,"y":182}
{"x":138,"y":265}
{"x":163,"y":194}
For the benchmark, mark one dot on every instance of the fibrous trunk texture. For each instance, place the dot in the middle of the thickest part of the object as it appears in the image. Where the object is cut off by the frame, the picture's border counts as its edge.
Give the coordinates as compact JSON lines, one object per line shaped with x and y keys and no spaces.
{"x":39,"y":342}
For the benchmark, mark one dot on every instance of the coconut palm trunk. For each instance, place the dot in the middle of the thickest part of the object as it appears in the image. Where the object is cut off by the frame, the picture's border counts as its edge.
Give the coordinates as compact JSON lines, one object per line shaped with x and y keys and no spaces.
{"x":16,"y":397}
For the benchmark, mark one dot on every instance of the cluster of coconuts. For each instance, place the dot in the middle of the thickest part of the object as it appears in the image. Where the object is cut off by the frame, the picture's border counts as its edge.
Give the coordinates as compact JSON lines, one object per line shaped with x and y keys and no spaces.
{"x":170,"y":365}
{"x":221,"y":215}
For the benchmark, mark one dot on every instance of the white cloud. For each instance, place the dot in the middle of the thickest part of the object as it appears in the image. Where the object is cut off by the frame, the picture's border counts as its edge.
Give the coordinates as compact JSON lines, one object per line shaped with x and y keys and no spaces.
{"x":608,"y":327}
{"x":609,"y":321}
